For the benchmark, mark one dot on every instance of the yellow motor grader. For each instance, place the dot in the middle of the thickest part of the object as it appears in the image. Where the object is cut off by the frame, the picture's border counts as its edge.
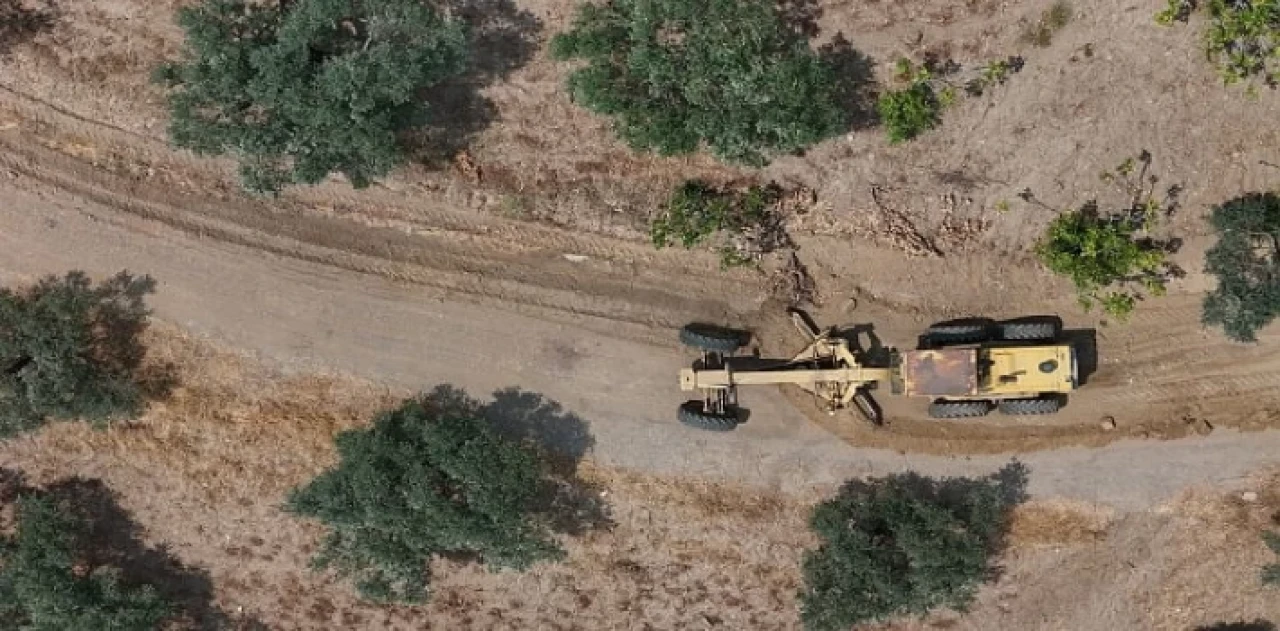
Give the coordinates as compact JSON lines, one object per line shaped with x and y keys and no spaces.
{"x":966,"y":369}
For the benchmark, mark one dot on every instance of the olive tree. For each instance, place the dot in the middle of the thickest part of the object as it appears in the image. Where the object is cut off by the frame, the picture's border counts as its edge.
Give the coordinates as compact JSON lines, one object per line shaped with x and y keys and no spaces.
{"x":298,"y":90}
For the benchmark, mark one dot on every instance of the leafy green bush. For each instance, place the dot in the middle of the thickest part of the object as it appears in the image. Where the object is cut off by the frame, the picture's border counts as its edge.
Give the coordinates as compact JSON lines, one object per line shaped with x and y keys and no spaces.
{"x":909,"y":112}
{"x":430,"y":478}
{"x":298,"y":90}
{"x":1246,"y":261}
{"x":1111,"y":258}
{"x":1097,"y":252}
{"x":697,"y":212}
{"x":44,"y":587}
{"x":1243,"y":37}
{"x":904,"y":544}
{"x":675,"y":74}
{"x":69,"y":349}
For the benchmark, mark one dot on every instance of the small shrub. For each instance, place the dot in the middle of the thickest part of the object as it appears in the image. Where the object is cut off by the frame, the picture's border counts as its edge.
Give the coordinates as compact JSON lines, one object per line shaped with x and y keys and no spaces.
{"x":1271,"y":571}
{"x":298,"y":90}
{"x":742,"y":220}
{"x":993,"y":74}
{"x":909,"y":112}
{"x":904,"y":544}
{"x":69,"y":349}
{"x":430,"y":478}
{"x":917,"y":108}
{"x":1109,"y":258}
{"x":677,"y":74}
{"x":1051,"y":21}
{"x":1246,"y":261}
{"x":1097,"y":252}
{"x":47,"y":584}
{"x":1242,"y":39}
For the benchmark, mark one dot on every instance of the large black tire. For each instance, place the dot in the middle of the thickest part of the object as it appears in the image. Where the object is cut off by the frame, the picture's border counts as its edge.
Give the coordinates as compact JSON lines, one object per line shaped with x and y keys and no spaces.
{"x":959,"y":409}
{"x":952,"y":334}
{"x":713,"y":339}
{"x":693,"y":414}
{"x":1029,"y":331}
{"x":1027,"y":407}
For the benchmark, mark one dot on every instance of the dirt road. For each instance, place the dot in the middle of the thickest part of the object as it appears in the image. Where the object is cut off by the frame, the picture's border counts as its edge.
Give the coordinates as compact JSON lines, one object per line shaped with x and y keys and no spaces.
{"x":303,"y":314}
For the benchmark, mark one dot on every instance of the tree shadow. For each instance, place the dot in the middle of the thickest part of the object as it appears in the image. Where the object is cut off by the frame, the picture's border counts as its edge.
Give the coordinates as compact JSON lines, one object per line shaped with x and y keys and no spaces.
{"x":119,"y":321}
{"x":504,"y":38}
{"x":120,"y":318}
{"x":873,"y":352}
{"x":570,"y":503}
{"x":1254,"y":625}
{"x":115,"y":539}
{"x":530,"y":417}
{"x":19,"y":22}
{"x":855,"y":81}
{"x":1085,"y":343}
{"x":854,"y":71}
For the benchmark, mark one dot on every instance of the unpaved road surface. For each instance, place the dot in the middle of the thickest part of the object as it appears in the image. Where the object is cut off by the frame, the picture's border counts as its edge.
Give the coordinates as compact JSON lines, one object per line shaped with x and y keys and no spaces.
{"x":304,"y":314}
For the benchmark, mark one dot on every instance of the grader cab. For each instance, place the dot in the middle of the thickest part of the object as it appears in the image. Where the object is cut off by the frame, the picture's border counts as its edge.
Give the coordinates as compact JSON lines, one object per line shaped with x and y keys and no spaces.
{"x":965,"y":370}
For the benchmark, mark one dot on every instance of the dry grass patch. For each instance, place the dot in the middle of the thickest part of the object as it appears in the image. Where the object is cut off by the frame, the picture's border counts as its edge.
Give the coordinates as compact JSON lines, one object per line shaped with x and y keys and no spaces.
{"x":1058,"y":522}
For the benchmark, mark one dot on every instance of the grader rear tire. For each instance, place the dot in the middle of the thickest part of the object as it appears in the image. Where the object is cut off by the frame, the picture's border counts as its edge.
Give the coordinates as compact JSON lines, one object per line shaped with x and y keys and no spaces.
{"x":1029,"y":331}
{"x":694,"y":414}
{"x":1029,"y":407}
{"x":959,"y":409}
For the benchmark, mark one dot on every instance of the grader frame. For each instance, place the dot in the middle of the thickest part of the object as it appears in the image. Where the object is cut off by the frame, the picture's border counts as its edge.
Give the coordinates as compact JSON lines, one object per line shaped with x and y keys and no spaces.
{"x":826,"y":368}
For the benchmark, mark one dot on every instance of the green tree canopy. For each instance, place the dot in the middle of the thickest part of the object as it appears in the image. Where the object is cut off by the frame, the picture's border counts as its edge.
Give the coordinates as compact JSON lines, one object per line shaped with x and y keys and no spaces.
{"x":45,"y":584}
{"x":904,"y":544}
{"x":300,"y":89}
{"x":69,"y":349}
{"x":1246,"y":261}
{"x":430,"y":478}
{"x":675,"y":74}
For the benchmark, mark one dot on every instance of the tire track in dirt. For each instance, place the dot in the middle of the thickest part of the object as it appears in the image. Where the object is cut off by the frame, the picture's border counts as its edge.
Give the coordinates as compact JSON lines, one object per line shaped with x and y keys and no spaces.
{"x":473,"y":263}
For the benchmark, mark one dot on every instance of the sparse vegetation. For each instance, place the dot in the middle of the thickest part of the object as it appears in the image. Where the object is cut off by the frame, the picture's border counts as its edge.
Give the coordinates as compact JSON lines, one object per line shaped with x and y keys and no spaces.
{"x":993,"y":74}
{"x":904,"y":544}
{"x":1111,"y":258}
{"x":430,"y":478}
{"x":69,"y":349}
{"x":299,"y":90}
{"x":1040,"y":33}
{"x":1246,"y":261}
{"x":909,"y":112}
{"x":1242,"y":38}
{"x":744,"y":224}
{"x":678,"y":74}
{"x":48,"y":581}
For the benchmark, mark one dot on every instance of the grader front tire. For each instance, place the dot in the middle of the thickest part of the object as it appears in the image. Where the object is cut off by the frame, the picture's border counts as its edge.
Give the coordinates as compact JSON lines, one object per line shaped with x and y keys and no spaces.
{"x":695,"y":415}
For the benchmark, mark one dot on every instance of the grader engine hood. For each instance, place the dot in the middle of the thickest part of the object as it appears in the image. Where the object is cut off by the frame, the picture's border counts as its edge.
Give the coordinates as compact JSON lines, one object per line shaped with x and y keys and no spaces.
{"x":1018,"y":370}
